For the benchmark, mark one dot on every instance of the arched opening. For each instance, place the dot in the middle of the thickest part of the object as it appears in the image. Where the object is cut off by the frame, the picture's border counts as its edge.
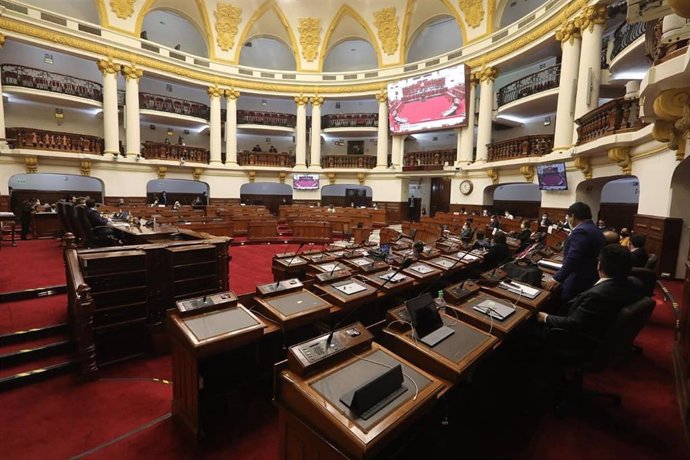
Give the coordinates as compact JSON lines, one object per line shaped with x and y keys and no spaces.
{"x":510,"y":11}
{"x":174,"y":30}
{"x":83,"y":10}
{"x":520,"y":200}
{"x":269,"y":194}
{"x":346,"y":195}
{"x":439,"y":35}
{"x":349,"y":55}
{"x":267,"y":53}
{"x":680,"y":197}
{"x":613,"y":199}
{"x":182,"y":190}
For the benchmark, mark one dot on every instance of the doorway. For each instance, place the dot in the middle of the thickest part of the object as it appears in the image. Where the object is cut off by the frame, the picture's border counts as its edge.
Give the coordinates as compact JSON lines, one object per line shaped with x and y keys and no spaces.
{"x":440,"y":195}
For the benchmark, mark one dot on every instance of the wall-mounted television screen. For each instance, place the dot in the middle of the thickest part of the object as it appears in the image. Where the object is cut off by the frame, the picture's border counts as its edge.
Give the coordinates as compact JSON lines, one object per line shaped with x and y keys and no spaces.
{"x":428,"y":102}
{"x":552,"y":177}
{"x":305,"y":181}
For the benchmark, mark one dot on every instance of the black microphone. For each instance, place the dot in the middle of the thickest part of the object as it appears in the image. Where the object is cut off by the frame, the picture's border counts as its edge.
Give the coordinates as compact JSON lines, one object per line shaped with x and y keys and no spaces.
{"x":405,"y":263}
{"x":335,"y":265}
{"x":436,"y":283}
{"x":291,"y":259}
{"x":364,"y":241}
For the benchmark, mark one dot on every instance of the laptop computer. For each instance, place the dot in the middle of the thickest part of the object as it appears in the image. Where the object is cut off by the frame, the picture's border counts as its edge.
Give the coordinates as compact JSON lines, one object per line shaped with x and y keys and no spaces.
{"x":428,"y":326}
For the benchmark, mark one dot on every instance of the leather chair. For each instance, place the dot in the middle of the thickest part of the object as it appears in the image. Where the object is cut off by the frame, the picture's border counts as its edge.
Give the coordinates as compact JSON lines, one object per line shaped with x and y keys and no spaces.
{"x":91,"y":239}
{"x":652,"y":261}
{"x":584,"y":354}
{"x":647,"y":277}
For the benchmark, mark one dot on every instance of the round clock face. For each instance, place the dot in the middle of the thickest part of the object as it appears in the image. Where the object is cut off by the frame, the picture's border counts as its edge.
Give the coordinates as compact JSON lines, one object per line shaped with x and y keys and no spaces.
{"x":466,"y":187}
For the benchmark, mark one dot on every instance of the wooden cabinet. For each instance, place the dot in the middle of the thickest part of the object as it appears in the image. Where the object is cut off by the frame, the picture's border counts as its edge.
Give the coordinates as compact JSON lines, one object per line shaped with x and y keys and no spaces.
{"x":663,"y":239}
{"x":192,"y":270}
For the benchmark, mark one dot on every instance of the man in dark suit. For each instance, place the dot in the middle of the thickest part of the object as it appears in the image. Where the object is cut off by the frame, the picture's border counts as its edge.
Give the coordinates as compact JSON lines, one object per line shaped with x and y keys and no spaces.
{"x":594,"y":311}
{"x":637,"y":250}
{"x":99,"y":224}
{"x":579,"y":270}
{"x":498,"y":253}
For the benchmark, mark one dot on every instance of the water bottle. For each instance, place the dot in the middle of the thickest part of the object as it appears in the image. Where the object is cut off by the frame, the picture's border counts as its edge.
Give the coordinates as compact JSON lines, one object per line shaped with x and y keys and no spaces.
{"x":440,"y":301}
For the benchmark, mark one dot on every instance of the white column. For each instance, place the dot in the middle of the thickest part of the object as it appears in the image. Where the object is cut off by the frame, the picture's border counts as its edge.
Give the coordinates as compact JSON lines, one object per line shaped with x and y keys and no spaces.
{"x":466,"y":134}
{"x":133,"y":127}
{"x":111,"y":138}
{"x":214,"y":94}
{"x":315,"y":158}
{"x":569,"y":36}
{"x":382,"y":134}
{"x":231,"y":96}
{"x":591,"y":23}
{"x":3,"y":133}
{"x":301,"y":132}
{"x":486,"y":107}
{"x":398,"y":150}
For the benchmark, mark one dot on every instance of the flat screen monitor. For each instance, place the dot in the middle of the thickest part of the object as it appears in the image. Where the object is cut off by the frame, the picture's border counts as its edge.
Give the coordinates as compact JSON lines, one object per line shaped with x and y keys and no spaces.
{"x":552,"y":177}
{"x":305,"y":181}
{"x":433,"y":101}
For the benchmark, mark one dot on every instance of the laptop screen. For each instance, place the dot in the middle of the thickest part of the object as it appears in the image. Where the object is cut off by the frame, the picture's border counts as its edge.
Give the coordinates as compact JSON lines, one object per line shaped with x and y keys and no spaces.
{"x":423,"y":314}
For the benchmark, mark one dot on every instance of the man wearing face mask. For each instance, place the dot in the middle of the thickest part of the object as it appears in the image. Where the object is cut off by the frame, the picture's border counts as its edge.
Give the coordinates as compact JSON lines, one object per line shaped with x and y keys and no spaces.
{"x":579,"y":270}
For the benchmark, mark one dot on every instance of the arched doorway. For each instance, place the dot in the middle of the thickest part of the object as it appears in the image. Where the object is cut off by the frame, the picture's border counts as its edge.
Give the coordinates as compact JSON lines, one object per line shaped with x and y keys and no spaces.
{"x":183,"y":31}
{"x":182,"y":190}
{"x":346,"y":195}
{"x":518,"y":199}
{"x":267,"y":53}
{"x":269,"y":194}
{"x":437,"y":36}
{"x":349,"y":55}
{"x":613,"y":199}
{"x":680,"y":197}
{"x":51,"y":188}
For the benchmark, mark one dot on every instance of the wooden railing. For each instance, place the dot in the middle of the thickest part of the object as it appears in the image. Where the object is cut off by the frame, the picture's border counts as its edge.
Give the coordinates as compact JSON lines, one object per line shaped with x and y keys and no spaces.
{"x":350,"y":120}
{"x":531,"y":84}
{"x":616,"y":116}
{"x":283,"y":160}
{"x":28,"y":77}
{"x":625,"y":35}
{"x":174,"y":105}
{"x":39,"y":139}
{"x":661,"y":51}
{"x":172,"y":152}
{"x":252,"y":117}
{"x":348,"y":161}
{"x":433,"y":157}
{"x":525,"y":146}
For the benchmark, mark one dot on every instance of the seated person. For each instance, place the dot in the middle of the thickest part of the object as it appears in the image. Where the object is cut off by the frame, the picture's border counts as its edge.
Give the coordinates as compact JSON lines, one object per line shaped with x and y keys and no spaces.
{"x":611,"y":237}
{"x":637,"y":250}
{"x":257,"y":148}
{"x":481,"y":242}
{"x":273,"y":149}
{"x":498,"y":253}
{"x":466,"y":231}
{"x":176,"y":206}
{"x":536,"y":243}
{"x":545,"y":221}
{"x":99,"y":224}
{"x":625,"y":238}
{"x":494,"y":224}
{"x":593,"y":311}
{"x":524,"y":234}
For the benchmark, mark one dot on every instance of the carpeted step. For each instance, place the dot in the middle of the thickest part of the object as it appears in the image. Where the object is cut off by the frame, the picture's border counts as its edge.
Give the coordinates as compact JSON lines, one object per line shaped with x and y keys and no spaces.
{"x":33,"y":366}
{"x":26,"y":341}
{"x":33,"y":314}
{"x":58,"y":365}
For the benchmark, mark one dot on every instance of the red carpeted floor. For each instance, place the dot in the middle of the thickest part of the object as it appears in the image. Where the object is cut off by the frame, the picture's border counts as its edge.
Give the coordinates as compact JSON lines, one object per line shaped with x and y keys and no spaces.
{"x":420,"y":111}
{"x":32,"y":264}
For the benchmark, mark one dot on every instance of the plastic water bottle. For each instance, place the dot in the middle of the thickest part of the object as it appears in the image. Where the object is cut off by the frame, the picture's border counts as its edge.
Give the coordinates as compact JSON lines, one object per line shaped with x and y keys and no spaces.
{"x":440,"y":301}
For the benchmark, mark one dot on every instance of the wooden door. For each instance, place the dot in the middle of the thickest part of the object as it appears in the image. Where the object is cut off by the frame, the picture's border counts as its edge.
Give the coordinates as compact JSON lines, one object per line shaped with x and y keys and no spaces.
{"x":440,"y":195}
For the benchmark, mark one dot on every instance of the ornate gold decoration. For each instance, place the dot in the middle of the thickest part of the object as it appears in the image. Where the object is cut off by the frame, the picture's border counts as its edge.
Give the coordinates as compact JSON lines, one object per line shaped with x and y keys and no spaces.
{"x":331,"y":178}
{"x":196,"y":173}
{"x":232,"y":93}
{"x":569,"y":32}
{"x":621,"y":156}
{"x":487,"y":73}
{"x":31,"y":164}
{"x":107,"y":66}
{"x":214,"y":91}
{"x":2,"y":40}
{"x":528,"y":172}
{"x":591,"y":16}
{"x":317,"y":101}
{"x":584,"y":165}
{"x":131,"y":72}
{"x":85,"y":168}
{"x":386,"y":22}
{"x":493,"y":175}
{"x":309,"y":35}
{"x":681,"y":7}
{"x":227,"y":19}
{"x":360,"y":177}
{"x":123,"y":9}
{"x":281,"y":176}
{"x":473,"y":11}
{"x":162,"y":171}
{"x":382,"y":96}
{"x":672,"y":107}
{"x":252,"y":176}
{"x":301,"y":100}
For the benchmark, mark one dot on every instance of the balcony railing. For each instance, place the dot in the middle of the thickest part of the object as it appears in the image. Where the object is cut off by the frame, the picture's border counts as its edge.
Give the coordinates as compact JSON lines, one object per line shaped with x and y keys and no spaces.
{"x":661,"y":51}
{"x":625,"y":35}
{"x":531,"y":84}
{"x":616,"y":116}
{"x":28,"y":77}
{"x":168,"y":104}
{"x":350,"y":120}
{"x":39,"y":139}
{"x":172,"y":152}
{"x":281,"y":160}
{"x":348,"y":161}
{"x":252,"y":117}
{"x":520,"y":147}
{"x":430,"y":158}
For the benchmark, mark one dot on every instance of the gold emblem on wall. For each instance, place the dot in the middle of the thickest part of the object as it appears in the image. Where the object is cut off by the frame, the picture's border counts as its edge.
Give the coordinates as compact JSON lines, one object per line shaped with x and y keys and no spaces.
{"x":386,"y":22}
{"x":309,"y":37}
{"x":493,"y":175}
{"x":281,"y":176}
{"x":122,"y":8}
{"x":473,"y":11}
{"x":584,"y":165}
{"x":85,"y":168}
{"x":252,"y":176}
{"x":331,"y":178}
{"x":196,"y":173}
{"x":672,"y":107}
{"x":528,"y":172}
{"x":31,"y":164}
{"x":621,"y":156}
{"x":360,"y":178}
{"x":162,"y":171}
{"x":227,"y":19}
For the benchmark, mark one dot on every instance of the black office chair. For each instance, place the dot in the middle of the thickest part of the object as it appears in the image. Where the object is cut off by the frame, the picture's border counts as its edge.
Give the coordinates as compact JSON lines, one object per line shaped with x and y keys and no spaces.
{"x":652,"y":260}
{"x":647,"y":277}
{"x":91,"y":238}
{"x":583,"y":354}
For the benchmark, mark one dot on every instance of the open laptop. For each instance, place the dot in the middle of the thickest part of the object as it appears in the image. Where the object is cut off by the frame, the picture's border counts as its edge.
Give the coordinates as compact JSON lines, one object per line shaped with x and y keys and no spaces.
{"x":428,"y":326}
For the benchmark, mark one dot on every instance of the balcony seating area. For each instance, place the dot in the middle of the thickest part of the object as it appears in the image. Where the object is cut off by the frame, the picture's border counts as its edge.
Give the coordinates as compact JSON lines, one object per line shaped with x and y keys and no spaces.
{"x":616,"y":116}
{"x":168,"y":104}
{"x":537,"y":82}
{"x":432,"y":158}
{"x":28,"y":77}
{"x":40,"y":139}
{"x":348,"y":161}
{"x":520,"y":147}
{"x":350,"y":120}
{"x":625,"y":35}
{"x":282,"y":160}
{"x":172,"y":152}
{"x":252,"y":117}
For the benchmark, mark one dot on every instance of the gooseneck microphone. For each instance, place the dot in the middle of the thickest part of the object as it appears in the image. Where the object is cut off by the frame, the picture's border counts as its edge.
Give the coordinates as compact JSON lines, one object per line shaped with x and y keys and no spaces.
{"x":291,"y":259}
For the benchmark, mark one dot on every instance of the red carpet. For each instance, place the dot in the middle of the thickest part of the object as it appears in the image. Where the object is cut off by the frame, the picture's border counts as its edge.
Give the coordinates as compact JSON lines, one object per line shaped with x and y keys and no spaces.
{"x":32,"y":264}
{"x":29,"y":314}
{"x":431,"y":109}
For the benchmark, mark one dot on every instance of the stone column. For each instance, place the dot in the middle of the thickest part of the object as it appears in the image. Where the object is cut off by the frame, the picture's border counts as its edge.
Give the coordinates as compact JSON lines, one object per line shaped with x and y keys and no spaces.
{"x":398,"y":150}
{"x":133,"y":128}
{"x":3,"y":133}
{"x":569,"y":36}
{"x":214,"y":94}
{"x":591,"y":23}
{"x":111,"y":137}
{"x":486,"y":107}
{"x":301,"y":132}
{"x":466,"y":135}
{"x":231,"y":96}
{"x":382,"y":134}
{"x":315,"y":158}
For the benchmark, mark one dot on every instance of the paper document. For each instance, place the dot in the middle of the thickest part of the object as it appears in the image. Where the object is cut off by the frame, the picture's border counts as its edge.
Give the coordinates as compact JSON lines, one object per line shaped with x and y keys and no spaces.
{"x":423,"y":269}
{"x":520,"y":289}
{"x":392,"y":277}
{"x":351,"y":288}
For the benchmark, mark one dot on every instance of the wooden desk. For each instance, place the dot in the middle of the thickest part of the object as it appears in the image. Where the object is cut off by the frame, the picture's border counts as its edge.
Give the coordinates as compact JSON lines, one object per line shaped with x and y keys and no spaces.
{"x":468,"y":314}
{"x":335,"y":292}
{"x":446,"y":264}
{"x":289,"y":267}
{"x":143,"y":235}
{"x":294,"y":309}
{"x":317,"y":231}
{"x":422,"y":271}
{"x":377,"y":280}
{"x":45,"y":224}
{"x":533,"y":304}
{"x":7,"y":223}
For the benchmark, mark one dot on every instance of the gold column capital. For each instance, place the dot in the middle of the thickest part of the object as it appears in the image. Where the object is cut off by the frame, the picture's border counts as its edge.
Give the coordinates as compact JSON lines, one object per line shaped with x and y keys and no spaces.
{"x":317,"y":101}
{"x":488,"y":73}
{"x":301,"y":100}
{"x":584,"y":165}
{"x":361,"y":177}
{"x":382,"y":96}
{"x":568,"y":33}
{"x":591,"y":16}
{"x":214,"y":91}
{"x":107,"y":66}
{"x":232,"y":94}
{"x":621,"y":156}
{"x":132,"y":72}
{"x":2,"y":40}
{"x":528,"y":172}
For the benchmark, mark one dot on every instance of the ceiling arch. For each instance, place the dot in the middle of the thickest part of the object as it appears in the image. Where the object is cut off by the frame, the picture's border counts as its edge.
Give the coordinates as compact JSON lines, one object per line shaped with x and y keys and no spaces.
{"x":194,"y":12}
{"x":348,"y":24}
{"x":434,"y":23}
{"x":510,"y":11}
{"x":419,"y":14}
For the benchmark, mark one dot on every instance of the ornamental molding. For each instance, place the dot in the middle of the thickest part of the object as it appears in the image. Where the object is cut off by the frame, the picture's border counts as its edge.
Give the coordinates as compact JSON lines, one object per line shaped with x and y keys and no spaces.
{"x":214,"y":91}
{"x":361,"y":177}
{"x":382,"y":96}
{"x":85,"y":168}
{"x":228,"y":18}
{"x":488,"y":73}
{"x":591,"y":16}
{"x":162,"y":171}
{"x":251,"y":175}
{"x":528,"y":172}
{"x":31,"y":164}
{"x":473,"y":11}
{"x":621,"y":156}
{"x":301,"y":100}
{"x":281,"y":176}
{"x":123,"y":9}
{"x":2,"y":40}
{"x":232,"y":94}
{"x":672,"y":108}
{"x":493,"y":175}
{"x":107,"y":66}
{"x":309,"y":37}
{"x":316,"y":101}
{"x":584,"y":165}
{"x":568,"y":33}
{"x":132,"y":72}
{"x":386,"y":22}
{"x":331,"y":178}
{"x":196,"y":173}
